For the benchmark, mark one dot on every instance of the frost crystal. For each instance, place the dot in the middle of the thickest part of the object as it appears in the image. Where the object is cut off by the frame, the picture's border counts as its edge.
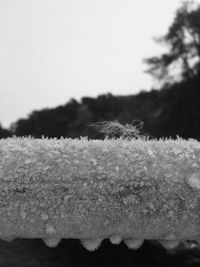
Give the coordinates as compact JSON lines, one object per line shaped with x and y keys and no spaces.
{"x":50,"y":229}
{"x":133,"y":243}
{"x":115,"y":239}
{"x":91,"y":244}
{"x":194,"y":181}
{"x":22,"y":214}
{"x":169,"y":244}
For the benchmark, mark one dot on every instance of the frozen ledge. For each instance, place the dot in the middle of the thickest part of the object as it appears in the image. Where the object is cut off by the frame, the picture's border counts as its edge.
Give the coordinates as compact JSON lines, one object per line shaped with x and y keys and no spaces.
{"x":93,"y":189}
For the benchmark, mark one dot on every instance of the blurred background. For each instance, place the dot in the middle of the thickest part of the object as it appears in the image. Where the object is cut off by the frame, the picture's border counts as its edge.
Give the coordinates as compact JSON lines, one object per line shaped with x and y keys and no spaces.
{"x":67,"y":64}
{"x":70,"y":63}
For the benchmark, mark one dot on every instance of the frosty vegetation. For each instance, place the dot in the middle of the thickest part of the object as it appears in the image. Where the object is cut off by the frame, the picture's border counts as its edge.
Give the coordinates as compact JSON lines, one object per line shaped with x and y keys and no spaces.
{"x":114,"y":129}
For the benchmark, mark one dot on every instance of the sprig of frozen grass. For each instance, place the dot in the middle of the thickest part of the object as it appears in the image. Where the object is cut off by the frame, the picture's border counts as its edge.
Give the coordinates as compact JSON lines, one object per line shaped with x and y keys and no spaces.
{"x":114,"y":129}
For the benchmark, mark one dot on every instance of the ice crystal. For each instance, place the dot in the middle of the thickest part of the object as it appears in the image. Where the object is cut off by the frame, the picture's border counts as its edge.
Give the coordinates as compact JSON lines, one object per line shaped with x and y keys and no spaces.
{"x":194,"y":181}
{"x":50,"y":229}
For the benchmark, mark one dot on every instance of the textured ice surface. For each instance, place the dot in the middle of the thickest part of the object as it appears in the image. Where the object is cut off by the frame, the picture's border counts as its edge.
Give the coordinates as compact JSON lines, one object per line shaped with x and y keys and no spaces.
{"x":90,"y":189}
{"x":194,"y":180}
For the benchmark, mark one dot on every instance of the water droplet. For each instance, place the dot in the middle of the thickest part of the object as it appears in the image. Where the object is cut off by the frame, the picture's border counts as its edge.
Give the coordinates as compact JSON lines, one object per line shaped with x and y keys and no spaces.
{"x":115,"y":239}
{"x":91,"y":244}
{"x":169,"y":244}
{"x":52,"y":242}
{"x":133,"y":243}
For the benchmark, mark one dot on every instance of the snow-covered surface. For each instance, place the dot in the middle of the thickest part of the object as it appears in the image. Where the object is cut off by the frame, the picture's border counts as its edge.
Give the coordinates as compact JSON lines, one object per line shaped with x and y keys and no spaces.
{"x":120,"y":189}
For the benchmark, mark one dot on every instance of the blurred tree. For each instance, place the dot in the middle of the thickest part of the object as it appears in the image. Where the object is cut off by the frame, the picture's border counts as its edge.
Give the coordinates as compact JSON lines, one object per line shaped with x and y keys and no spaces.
{"x":48,"y":122}
{"x":183,"y":40}
{"x":4,"y":133}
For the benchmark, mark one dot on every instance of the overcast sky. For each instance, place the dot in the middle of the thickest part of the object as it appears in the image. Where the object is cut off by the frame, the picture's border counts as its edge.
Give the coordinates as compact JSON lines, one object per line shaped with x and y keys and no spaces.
{"x":54,"y":50}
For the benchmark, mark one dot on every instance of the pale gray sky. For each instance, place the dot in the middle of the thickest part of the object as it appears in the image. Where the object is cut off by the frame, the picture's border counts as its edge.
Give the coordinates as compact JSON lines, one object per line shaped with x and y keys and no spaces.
{"x":53,"y":50}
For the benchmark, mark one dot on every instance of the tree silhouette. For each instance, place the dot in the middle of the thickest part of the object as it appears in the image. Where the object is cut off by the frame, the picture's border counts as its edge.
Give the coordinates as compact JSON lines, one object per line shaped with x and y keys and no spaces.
{"x":4,"y":133}
{"x":182,"y":61}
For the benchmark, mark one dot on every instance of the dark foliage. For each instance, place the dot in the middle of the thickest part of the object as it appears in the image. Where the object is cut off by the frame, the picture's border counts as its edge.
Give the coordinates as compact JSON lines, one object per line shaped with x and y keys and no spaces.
{"x":172,"y":111}
{"x":183,"y":42}
{"x":4,"y":133}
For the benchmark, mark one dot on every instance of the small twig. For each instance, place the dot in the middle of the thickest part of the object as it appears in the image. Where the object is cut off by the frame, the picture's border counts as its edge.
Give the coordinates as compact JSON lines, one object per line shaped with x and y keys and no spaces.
{"x":113,"y":129}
